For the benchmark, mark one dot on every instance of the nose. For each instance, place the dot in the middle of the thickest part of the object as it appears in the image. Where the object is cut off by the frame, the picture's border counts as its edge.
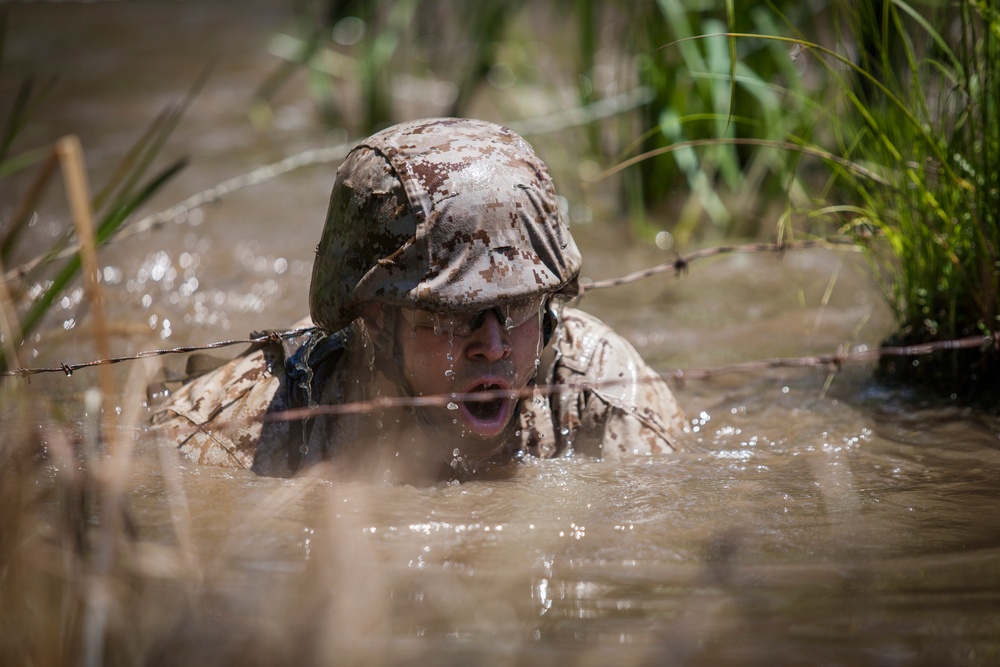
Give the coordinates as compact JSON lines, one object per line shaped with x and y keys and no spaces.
{"x":488,"y":342}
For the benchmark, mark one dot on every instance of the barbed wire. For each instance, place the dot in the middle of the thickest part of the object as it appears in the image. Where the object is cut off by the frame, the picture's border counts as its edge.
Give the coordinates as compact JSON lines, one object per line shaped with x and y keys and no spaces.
{"x":679,"y":376}
{"x":834,"y":360}
{"x":556,"y":122}
{"x":69,"y":369}
{"x":678,"y":265}
{"x":840,"y":357}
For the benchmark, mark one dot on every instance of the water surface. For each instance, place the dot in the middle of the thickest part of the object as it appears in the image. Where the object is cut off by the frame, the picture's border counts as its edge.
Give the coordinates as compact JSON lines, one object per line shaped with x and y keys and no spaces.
{"x":813,"y":518}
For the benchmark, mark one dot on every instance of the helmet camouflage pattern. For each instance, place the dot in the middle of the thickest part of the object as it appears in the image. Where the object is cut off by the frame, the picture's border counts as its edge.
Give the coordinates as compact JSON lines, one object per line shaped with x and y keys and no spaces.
{"x":443,"y":214}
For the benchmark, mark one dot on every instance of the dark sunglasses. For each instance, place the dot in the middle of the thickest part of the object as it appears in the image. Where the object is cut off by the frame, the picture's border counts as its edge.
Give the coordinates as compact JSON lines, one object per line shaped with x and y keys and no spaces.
{"x":510,"y":315}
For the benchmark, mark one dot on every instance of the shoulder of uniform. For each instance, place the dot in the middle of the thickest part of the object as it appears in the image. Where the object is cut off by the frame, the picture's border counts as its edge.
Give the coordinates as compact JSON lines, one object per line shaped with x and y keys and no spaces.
{"x":585,"y":338}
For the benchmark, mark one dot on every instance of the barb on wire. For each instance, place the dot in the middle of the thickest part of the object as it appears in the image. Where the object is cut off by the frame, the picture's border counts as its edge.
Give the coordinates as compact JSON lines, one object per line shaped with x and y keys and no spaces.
{"x":834,"y":359}
{"x":680,"y":264}
{"x":68,"y":369}
{"x":839,"y":358}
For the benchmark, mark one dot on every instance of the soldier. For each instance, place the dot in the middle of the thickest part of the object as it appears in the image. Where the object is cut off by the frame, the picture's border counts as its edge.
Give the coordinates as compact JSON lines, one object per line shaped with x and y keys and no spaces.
{"x":443,"y":270}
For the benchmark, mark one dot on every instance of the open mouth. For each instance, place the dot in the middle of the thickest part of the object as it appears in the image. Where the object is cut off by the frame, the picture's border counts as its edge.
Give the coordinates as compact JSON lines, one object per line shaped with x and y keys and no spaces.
{"x":487,"y":414}
{"x":485,"y":409}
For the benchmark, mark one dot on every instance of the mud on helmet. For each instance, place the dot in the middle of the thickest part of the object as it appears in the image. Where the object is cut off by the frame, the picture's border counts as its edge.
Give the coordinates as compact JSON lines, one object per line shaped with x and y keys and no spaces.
{"x":442,"y":214}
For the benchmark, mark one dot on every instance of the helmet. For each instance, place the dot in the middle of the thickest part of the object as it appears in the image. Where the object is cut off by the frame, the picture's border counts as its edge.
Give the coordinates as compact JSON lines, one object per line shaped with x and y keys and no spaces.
{"x":442,"y":214}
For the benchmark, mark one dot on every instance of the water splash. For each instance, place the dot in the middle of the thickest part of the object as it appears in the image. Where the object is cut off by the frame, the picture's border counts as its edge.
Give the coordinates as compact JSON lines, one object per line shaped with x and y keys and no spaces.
{"x":450,"y":372}
{"x":540,"y":343}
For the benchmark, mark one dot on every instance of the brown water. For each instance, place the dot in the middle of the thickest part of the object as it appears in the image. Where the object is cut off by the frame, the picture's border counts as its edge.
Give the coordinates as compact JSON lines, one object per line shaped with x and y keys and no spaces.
{"x":815,"y":519}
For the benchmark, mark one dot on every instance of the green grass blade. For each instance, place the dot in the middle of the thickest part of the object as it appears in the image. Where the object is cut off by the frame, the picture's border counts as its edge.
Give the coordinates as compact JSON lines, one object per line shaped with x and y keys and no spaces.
{"x":859,"y":105}
{"x":931,"y":32}
{"x":23,"y":107}
{"x":113,"y":221}
{"x":152,"y":144}
{"x":105,"y":229}
{"x":22,"y":161}
{"x":22,"y":215}
{"x":731,"y":19}
{"x":128,"y":163}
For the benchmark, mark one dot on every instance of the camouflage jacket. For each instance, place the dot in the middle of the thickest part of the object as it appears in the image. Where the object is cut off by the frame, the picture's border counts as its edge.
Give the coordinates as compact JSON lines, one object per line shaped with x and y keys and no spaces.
{"x":614,"y":404}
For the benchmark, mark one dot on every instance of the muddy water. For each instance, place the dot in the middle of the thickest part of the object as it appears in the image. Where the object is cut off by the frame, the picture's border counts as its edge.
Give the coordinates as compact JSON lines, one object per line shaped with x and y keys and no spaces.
{"x":814,"y":518}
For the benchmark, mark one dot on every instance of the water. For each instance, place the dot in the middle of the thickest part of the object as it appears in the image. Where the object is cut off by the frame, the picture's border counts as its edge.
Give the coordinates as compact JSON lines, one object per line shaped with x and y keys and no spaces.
{"x":814,"y":518}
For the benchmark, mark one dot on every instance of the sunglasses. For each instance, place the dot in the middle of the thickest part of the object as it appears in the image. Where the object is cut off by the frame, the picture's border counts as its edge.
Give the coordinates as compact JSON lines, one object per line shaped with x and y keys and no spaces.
{"x":459,"y":323}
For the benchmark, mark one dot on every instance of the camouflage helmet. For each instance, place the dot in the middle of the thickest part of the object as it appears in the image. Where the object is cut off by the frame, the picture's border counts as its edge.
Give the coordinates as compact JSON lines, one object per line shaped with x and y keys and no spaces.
{"x":443,"y":214}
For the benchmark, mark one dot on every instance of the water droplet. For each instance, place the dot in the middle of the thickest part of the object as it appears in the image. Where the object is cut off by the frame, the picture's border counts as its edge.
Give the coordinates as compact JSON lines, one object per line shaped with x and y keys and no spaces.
{"x":453,"y":405}
{"x":449,"y":373}
{"x":456,"y":452}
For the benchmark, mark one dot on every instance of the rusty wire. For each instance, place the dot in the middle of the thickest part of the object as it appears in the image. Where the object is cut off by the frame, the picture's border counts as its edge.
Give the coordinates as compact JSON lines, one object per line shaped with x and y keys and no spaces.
{"x":679,"y":265}
{"x":68,"y":369}
{"x":840,"y":357}
{"x":834,"y":360}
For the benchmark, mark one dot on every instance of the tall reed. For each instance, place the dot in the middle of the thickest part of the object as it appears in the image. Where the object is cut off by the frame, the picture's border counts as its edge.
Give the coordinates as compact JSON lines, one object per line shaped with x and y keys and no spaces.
{"x":909,"y":131}
{"x":923,"y":109}
{"x":506,"y":59}
{"x":123,"y":194}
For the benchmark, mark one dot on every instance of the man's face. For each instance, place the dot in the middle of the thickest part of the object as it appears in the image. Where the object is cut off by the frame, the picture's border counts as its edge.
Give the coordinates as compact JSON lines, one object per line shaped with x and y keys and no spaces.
{"x":438,"y":360}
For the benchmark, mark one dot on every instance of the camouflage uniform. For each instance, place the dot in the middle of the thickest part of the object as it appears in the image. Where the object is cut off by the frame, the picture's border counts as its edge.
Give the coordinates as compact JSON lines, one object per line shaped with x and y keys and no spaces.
{"x":444,"y":215}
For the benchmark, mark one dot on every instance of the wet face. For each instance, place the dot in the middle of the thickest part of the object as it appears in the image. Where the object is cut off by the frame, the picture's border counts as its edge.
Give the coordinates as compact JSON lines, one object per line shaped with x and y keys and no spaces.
{"x":490,"y":351}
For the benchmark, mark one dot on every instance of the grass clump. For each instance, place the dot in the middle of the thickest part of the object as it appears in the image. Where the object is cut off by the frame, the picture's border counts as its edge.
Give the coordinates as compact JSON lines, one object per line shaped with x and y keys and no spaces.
{"x":909,"y":132}
{"x":925,"y":115}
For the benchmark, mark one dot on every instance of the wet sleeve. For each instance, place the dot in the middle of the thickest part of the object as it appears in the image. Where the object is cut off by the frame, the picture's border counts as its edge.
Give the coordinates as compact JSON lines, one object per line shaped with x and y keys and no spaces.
{"x":215,"y":419}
